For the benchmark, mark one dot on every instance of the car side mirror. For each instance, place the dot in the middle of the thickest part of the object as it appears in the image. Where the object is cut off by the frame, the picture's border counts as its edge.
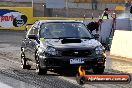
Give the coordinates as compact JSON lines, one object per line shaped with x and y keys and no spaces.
{"x":96,"y":36}
{"x":33,"y":37}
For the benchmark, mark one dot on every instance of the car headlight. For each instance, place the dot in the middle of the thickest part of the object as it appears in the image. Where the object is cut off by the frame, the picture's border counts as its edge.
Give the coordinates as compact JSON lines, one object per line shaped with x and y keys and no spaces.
{"x":52,"y":51}
{"x":41,"y":50}
{"x":99,"y":50}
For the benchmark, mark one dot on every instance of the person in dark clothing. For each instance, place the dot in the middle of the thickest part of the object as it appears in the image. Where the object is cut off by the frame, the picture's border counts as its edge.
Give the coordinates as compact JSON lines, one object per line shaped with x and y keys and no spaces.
{"x":131,"y":9}
{"x":106,"y":13}
{"x":94,"y":26}
{"x":127,"y":5}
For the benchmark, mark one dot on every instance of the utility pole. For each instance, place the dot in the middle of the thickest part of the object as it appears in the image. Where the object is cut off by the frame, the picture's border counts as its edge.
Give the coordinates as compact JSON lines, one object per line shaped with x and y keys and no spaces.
{"x":32,"y":7}
{"x":32,"y":3}
{"x":44,"y":9}
{"x":67,"y":14}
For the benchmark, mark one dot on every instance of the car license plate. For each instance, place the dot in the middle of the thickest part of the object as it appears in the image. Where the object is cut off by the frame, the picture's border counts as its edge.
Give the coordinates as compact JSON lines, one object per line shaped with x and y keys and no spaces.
{"x":77,"y":61}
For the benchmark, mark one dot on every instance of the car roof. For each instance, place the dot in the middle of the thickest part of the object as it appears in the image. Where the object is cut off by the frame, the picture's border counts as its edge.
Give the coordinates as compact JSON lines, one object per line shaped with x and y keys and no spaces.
{"x":47,"y":21}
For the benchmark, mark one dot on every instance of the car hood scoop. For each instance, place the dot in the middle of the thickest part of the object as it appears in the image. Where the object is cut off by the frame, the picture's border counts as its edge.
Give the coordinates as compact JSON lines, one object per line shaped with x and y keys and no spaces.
{"x":65,"y":41}
{"x":71,"y":43}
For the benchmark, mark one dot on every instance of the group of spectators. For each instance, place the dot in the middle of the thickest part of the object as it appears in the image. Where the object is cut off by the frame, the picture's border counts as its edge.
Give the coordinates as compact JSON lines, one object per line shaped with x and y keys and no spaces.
{"x":96,"y":25}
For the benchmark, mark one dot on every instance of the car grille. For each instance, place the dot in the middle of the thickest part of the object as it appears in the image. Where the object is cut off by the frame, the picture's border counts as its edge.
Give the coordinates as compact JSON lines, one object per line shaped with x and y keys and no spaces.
{"x":80,"y":53}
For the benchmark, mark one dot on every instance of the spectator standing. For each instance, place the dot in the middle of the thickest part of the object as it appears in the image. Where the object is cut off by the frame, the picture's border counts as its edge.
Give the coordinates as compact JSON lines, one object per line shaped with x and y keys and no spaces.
{"x":94,"y":26}
{"x":105,"y":13}
{"x":113,"y":15}
{"x":127,"y":5}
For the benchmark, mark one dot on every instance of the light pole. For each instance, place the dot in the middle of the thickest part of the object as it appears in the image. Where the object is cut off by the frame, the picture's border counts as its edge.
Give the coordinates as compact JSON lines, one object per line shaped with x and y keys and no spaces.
{"x":32,"y":3}
{"x":67,"y":8}
{"x":44,"y":9}
{"x":32,"y":7}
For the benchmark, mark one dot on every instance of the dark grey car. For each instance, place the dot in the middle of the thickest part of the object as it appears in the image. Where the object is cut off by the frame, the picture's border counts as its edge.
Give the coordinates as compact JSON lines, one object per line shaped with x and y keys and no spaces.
{"x":61,"y":44}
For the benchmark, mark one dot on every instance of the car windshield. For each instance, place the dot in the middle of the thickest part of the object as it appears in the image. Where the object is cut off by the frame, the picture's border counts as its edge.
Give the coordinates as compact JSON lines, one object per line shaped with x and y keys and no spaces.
{"x":58,"y":30}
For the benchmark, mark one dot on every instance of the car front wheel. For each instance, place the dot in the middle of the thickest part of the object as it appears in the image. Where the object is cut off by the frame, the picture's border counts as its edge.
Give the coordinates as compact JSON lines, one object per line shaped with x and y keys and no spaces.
{"x":39,"y":69}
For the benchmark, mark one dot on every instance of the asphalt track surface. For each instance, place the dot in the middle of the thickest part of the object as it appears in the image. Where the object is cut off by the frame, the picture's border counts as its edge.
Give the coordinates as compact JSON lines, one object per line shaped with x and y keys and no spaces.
{"x":13,"y":76}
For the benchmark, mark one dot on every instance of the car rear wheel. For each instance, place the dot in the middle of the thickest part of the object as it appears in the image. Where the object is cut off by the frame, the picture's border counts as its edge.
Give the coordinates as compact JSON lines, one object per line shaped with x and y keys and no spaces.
{"x":39,"y":69}
{"x":24,"y":62}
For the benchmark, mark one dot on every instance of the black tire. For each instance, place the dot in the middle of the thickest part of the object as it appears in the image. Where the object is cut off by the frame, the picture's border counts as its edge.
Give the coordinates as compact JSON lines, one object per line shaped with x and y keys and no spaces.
{"x":39,"y":70}
{"x":98,"y":70}
{"x":24,"y":62}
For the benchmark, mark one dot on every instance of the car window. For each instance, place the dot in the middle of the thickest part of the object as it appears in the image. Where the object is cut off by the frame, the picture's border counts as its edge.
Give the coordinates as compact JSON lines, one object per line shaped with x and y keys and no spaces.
{"x":34,"y":29}
{"x":82,"y":31}
{"x":65,"y":29}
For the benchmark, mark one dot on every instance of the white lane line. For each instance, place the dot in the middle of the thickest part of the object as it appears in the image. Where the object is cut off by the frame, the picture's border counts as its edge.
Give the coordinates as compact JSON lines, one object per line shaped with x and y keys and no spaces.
{"x":2,"y":85}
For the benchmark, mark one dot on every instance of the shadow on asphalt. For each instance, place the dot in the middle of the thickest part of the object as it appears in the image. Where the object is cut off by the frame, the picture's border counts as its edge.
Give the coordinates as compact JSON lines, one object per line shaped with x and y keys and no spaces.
{"x":71,"y":73}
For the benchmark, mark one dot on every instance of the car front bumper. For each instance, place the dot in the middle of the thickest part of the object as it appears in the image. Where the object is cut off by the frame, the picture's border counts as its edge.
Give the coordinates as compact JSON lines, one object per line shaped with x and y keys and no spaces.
{"x":64,"y":62}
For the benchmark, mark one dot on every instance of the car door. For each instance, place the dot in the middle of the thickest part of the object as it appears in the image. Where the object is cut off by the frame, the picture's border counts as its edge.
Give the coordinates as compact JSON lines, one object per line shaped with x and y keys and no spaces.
{"x":27,"y":42}
{"x":25,"y":46}
{"x":33,"y":43}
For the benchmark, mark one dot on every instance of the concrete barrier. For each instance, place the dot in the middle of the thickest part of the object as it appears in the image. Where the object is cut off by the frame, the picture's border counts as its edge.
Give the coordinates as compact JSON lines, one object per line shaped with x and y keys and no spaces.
{"x":122,"y":45}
